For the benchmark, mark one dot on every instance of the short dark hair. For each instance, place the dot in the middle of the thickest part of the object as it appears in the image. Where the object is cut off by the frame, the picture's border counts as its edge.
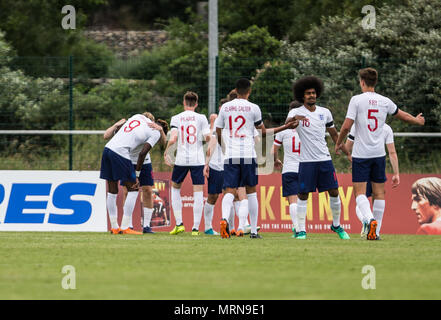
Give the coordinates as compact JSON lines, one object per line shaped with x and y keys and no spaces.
{"x":243,"y":86}
{"x":428,"y":188}
{"x":163,"y":124}
{"x":305,"y":83}
{"x":369,"y":76}
{"x":295,"y":104}
{"x":222,"y":101}
{"x":190,"y":98}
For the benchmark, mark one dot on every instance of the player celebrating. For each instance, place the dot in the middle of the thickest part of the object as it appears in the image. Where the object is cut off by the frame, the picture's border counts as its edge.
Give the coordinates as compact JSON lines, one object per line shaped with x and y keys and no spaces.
{"x":235,"y":127}
{"x":378,"y":205}
{"x":368,"y":112}
{"x":188,"y":129}
{"x":116,"y":164}
{"x":290,"y":141}
{"x":146,"y":176}
{"x":316,"y":170}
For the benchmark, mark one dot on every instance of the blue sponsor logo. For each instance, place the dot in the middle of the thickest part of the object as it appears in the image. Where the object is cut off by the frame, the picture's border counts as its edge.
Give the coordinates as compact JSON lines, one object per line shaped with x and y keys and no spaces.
{"x":61,"y":199}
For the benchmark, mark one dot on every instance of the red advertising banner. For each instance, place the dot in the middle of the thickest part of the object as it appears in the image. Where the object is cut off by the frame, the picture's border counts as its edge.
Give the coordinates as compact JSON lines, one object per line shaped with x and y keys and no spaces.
{"x":401,"y":216}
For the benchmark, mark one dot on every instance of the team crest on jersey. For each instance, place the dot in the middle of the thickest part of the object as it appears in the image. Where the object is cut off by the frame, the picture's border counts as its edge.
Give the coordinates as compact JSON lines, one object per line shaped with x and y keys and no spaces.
{"x":322,"y":117}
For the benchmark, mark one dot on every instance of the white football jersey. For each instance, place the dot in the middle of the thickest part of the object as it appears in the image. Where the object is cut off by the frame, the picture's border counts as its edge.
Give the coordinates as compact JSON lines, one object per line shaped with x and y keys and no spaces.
{"x":291,"y":149}
{"x":192,"y":127}
{"x":131,"y":137}
{"x":388,"y":134}
{"x":312,"y":133}
{"x":238,"y":119}
{"x":369,"y":111}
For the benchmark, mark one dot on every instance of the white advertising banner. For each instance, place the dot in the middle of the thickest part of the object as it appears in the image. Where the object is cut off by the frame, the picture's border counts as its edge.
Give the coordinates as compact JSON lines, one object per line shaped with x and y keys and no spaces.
{"x":52,"y":201}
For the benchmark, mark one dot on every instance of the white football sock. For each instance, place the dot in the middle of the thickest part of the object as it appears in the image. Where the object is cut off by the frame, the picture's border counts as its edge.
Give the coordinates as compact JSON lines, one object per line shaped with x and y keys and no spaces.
{"x":147,"y":216}
{"x":227,"y":203}
{"x":176,"y":205}
{"x":365,"y":207}
{"x":253,"y":207}
{"x":378,"y":211}
{"x":208,"y":216}
{"x":198,"y":206}
{"x":243,"y":214}
{"x":359,"y":214}
{"x":129,"y":205}
{"x":302,"y":208}
{"x":293,"y":214}
{"x":113,"y":210}
{"x":335,"y":204}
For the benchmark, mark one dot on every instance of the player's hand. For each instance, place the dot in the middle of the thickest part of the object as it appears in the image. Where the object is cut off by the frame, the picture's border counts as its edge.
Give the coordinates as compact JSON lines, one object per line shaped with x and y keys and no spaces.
{"x":420,"y":119}
{"x":349,"y":158}
{"x":293,"y":123}
{"x":395,"y":180}
{"x":136,"y":185}
{"x":278,"y":165}
{"x":120,"y":122}
{"x":338,"y":147}
{"x":206,"y":171}
{"x":154,"y":126}
{"x":168,"y":160}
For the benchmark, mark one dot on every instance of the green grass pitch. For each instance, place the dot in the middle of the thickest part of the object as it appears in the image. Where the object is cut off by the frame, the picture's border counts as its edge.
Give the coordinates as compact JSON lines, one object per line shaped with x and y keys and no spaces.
{"x":164,"y":267}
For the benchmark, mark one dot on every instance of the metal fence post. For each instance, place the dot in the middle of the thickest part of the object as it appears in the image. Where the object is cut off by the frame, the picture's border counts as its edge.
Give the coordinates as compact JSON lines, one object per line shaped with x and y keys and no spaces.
{"x":71,"y":125}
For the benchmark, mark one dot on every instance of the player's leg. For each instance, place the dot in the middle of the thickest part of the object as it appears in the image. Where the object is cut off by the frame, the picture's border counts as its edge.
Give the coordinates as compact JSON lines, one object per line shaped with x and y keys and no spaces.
{"x":378,"y":192}
{"x":129,"y":205}
{"x":178,"y":175}
{"x":231,"y":183}
{"x":208,"y":213}
{"x":308,"y":175}
{"x":215,"y":183}
{"x":198,"y":179}
{"x":109,"y":172}
{"x":234,"y":210}
{"x":290,"y":189}
{"x":242,"y":213}
{"x":361,"y":172}
{"x":146,"y":182}
{"x":250,"y":181}
{"x":112,"y":194}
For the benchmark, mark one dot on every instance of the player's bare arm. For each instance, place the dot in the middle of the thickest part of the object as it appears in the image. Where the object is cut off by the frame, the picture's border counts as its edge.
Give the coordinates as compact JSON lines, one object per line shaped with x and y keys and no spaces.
{"x":393,"y":158}
{"x":345,"y":129}
{"x":171,"y":142}
{"x":275,"y":152}
{"x":407,"y":117}
{"x":291,"y":124}
{"x":210,"y":150}
{"x":157,"y":127}
{"x":111,"y":131}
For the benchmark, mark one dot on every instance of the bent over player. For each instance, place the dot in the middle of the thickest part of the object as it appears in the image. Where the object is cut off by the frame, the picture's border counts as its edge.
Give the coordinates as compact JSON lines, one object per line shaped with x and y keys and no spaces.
{"x":116,"y":164}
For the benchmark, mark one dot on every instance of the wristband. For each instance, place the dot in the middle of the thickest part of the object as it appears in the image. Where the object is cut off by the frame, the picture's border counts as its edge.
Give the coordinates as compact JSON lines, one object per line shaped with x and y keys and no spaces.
{"x":137,"y":173}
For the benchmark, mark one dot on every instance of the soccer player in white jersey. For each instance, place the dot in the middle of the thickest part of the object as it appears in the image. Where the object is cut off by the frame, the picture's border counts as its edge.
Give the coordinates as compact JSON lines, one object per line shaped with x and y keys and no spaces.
{"x":378,"y":206}
{"x":235,"y":129}
{"x":316,"y":170}
{"x":290,"y":141}
{"x":116,"y":164}
{"x":188,"y":129}
{"x":367,"y":112}
{"x":146,"y":175}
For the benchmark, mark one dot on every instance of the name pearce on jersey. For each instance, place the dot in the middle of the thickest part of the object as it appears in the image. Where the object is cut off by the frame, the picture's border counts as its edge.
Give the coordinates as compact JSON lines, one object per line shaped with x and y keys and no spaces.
{"x":188,"y":118}
{"x":237,"y":108}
